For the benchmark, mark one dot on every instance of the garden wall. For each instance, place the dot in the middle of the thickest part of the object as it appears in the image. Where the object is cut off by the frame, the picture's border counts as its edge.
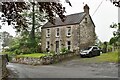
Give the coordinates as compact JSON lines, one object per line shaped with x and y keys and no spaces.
{"x":46,"y":60}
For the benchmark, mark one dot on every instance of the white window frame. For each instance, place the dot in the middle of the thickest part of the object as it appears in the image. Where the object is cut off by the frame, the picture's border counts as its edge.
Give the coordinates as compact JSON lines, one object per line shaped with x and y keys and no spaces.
{"x":69,"y":32}
{"x":57,"y":32}
{"x":47,"y":32}
{"x":48,"y":45}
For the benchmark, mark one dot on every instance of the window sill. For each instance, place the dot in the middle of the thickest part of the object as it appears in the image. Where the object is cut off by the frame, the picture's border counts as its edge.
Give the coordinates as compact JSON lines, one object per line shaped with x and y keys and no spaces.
{"x":47,"y":36}
{"x":68,"y":35}
{"x":57,"y":36}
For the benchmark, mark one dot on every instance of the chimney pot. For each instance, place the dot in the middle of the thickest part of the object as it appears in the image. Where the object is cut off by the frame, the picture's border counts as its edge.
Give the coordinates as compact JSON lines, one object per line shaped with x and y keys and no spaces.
{"x":86,"y":9}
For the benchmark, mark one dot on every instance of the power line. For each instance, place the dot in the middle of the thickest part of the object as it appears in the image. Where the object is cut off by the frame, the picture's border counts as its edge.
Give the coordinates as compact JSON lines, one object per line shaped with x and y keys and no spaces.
{"x":89,"y":1}
{"x":98,"y":7}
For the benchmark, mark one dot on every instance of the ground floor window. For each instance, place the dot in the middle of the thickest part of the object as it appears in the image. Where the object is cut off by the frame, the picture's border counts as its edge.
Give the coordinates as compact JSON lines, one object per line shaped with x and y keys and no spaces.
{"x":69,"y":45}
{"x":47,"y":46}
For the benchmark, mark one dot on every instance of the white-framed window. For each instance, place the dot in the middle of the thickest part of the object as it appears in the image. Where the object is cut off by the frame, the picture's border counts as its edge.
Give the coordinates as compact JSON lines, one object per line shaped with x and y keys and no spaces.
{"x":48,"y":33}
{"x":68,"y":31}
{"x":47,"y":45}
{"x":57,"y":32}
{"x":69,"y":45}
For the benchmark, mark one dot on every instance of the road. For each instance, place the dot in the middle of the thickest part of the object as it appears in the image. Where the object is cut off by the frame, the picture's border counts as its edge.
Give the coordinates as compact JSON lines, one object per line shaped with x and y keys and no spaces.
{"x":67,"y":69}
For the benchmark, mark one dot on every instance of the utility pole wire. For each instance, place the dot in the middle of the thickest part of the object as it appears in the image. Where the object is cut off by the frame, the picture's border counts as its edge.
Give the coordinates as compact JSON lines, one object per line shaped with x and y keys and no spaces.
{"x":89,"y":1}
{"x":98,"y":7}
{"x":67,"y":1}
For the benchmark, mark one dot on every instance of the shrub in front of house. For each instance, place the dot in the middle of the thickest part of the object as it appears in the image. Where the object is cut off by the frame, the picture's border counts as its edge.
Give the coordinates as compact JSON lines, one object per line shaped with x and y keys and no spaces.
{"x":64,"y":51}
{"x":44,"y":58}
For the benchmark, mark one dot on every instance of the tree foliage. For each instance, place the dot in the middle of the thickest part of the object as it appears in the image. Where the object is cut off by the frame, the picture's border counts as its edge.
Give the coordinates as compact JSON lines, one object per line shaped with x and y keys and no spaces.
{"x":12,"y":10}
{"x":26,"y":23}
{"x":115,"y":41}
{"x":117,"y":32}
{"x":116,"y":2}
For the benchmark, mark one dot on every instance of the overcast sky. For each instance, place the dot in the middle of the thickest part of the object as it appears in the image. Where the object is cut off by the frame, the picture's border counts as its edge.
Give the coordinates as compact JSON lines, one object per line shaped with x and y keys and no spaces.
{"x":106,"y":14}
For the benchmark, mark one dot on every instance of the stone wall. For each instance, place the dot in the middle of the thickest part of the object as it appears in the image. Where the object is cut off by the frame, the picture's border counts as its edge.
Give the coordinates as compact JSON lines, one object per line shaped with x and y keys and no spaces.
{"x":44,"y":60}
{"x":53,"y":38}
{"x":82,"y":35}
{"x":3,"y":69}
{"x":87,"y":32}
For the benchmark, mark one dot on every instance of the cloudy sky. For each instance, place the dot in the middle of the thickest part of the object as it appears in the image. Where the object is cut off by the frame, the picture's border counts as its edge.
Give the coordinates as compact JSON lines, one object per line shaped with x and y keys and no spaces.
{"x":105,"y":15}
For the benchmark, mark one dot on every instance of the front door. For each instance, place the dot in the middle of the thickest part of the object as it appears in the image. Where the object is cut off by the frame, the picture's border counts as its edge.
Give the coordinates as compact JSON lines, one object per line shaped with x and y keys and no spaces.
{"x":57,"y":46}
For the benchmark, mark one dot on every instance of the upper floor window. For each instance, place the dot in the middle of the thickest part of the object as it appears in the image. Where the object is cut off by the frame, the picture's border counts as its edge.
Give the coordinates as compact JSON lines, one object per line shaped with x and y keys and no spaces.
{"x":57,"y":32}
{"x":68,"y":31}
{"x":48,"y":33}
{"x":85,"y":20}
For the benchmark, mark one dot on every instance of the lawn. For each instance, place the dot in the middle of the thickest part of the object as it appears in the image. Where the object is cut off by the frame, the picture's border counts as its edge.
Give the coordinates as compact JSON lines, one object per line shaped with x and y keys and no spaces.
{"x":34,"y":55}
{"x":108,"y":57}
{"x":104,"y":57}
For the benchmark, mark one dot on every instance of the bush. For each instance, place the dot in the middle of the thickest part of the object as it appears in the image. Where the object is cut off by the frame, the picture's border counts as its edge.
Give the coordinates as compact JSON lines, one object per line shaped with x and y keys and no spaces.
{"x":52,"y":52}
{"x":64,"y":50}
{"x":17,"y":51}
{"x":26,"y":51}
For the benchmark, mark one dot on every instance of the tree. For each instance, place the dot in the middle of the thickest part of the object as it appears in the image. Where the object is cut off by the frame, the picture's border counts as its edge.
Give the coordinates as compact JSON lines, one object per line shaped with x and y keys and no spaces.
{"x":6,"y":37}
{"x":115,"y":41}
{"x":105,"y":46}
{"x":12,"y":10}
{"x":116,"y":33}
{"x":116,"y":2}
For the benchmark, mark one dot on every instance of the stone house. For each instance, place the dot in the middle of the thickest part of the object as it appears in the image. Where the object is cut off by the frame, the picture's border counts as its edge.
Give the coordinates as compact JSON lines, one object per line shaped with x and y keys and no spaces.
{"x":76,"y":32}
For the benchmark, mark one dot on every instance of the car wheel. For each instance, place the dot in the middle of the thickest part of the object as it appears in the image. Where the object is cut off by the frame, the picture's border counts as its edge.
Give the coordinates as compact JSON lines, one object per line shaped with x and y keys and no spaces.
{"x":98,"y":54}
{"x":82,"y":56}
{"x":90,"y":55}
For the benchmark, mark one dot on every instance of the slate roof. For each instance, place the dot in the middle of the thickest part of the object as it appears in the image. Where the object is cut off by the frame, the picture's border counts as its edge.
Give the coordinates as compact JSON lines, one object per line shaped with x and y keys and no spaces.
{"x":70,"y":19}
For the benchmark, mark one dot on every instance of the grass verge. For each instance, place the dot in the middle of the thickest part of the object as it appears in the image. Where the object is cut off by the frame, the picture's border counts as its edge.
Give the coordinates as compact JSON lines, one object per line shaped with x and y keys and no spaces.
{"x":33,"y":55}
{"x":104,"y":57}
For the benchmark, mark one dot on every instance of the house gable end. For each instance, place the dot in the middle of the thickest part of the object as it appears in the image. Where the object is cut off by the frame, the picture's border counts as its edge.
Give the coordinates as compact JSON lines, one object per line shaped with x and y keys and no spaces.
{"x":91,"y":20}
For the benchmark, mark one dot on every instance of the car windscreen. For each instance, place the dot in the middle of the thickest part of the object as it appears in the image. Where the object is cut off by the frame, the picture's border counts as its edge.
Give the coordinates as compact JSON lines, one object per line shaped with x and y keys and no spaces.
{"x":87,"y":48}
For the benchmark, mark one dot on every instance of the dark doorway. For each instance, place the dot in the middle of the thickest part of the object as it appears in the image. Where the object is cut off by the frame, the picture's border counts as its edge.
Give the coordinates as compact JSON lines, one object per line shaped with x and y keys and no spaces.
{"x":57,"y":46}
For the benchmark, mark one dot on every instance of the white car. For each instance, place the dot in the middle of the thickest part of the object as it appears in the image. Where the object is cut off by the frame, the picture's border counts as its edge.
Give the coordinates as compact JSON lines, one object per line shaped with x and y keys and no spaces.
{"x":90,"y":51}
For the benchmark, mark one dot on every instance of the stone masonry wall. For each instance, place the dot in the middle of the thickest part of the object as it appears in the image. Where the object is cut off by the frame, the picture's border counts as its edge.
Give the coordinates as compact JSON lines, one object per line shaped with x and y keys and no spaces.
{"x":87,"y":33}
{"x":46,"y":60}
{"x":83,"y":34}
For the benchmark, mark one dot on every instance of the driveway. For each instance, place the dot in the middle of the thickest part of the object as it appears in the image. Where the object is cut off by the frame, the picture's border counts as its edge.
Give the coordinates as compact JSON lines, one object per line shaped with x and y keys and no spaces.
{"x":68,"y":69}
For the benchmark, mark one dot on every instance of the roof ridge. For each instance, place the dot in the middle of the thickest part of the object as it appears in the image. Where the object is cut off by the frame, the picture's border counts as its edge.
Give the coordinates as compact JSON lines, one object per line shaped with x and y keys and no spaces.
{"x":72,"y":14}
{"x":75,"y":13}
{"x":70,"y":19}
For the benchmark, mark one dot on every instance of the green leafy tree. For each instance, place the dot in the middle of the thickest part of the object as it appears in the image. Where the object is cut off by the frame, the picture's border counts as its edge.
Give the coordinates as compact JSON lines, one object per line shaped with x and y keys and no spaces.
{"x":6,"y":37}
{"x":12,"y":10}
{"x":115,"y":41}
{"x":12,"y":13}
{"x":116,"y":2}
{"x":105,"y":44}
{"x":35,"y":20}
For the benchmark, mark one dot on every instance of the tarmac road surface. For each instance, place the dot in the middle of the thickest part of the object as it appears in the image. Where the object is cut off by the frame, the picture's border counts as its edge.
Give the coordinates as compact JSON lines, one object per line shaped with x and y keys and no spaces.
{"x":68,"y":69}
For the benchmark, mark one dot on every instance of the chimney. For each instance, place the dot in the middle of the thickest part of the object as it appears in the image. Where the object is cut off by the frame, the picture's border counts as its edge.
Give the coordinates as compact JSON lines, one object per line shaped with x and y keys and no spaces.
{"x":86,"y":9}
